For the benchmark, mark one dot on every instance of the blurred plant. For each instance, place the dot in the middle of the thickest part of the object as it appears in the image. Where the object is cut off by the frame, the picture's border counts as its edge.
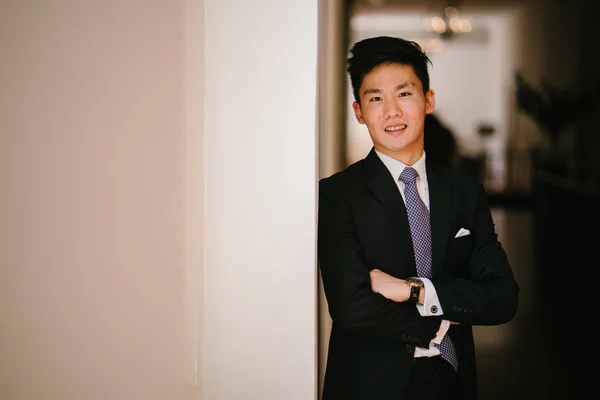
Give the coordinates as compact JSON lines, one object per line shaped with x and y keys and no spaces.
{"x":552,"y":109}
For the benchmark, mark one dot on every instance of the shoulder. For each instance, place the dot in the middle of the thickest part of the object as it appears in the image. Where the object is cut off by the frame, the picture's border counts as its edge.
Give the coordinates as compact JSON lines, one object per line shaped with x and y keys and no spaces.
{"x":346,"y":179}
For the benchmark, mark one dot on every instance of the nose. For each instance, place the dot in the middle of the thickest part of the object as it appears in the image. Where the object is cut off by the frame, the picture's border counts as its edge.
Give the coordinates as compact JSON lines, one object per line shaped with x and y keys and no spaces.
{"x":392,"y":109}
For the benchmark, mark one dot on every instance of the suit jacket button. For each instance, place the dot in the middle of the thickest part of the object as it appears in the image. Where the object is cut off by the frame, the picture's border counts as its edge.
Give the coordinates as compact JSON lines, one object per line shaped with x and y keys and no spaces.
{"x":434,"y":309}
{"x":409,"y":348}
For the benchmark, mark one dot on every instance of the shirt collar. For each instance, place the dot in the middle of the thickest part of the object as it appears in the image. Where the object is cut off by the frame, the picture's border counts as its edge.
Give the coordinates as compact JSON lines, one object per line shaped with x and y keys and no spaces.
{"x":396,"y":167}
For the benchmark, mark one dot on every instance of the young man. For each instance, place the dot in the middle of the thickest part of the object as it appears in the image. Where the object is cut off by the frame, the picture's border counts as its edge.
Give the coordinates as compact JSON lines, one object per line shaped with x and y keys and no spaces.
{"x":407,"y":249}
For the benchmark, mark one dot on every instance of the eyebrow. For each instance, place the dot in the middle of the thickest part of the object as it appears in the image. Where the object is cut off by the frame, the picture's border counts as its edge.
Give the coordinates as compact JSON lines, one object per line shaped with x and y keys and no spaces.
{"x":399,"y":87}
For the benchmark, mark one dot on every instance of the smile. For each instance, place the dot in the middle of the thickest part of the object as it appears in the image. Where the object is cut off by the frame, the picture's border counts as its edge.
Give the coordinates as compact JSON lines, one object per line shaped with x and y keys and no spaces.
{"x":396,"y":128}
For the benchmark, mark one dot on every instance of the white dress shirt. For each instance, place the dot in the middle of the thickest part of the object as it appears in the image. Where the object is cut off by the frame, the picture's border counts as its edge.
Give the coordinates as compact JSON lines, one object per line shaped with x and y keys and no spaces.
{"x":396,"y":167}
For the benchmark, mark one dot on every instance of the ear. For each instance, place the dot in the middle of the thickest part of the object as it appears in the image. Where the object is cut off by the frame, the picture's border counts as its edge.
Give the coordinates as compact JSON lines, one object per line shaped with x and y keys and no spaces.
{"x":358,"y":113}
{"x":429,"y":101}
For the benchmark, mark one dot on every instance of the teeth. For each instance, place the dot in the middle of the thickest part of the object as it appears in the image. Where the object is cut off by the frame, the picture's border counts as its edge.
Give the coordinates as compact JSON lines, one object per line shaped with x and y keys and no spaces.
{"x":396,"y":128}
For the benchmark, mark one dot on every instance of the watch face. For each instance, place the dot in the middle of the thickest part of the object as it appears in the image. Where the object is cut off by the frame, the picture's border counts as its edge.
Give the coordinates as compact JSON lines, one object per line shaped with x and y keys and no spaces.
{"x":415,"y":281}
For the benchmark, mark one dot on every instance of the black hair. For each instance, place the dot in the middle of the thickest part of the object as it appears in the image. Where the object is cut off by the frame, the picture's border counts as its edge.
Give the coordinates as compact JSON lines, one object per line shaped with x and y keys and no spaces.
{"x":372,"y":52}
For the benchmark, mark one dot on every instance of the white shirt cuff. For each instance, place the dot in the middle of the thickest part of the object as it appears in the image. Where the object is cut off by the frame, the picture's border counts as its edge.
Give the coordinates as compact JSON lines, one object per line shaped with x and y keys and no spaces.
{"x":441,"y":332}
{"x":431,"y":306}
{"x":434,"y":345}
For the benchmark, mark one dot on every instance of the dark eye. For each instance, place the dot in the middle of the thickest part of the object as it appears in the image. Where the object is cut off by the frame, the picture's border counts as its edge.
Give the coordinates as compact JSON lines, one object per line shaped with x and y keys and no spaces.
{"x":375,"y":98}
{"x":404,"y":94}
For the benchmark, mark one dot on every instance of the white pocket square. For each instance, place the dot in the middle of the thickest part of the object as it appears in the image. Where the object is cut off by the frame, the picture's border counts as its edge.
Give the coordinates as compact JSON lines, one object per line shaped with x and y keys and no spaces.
{"x":462,"y":232}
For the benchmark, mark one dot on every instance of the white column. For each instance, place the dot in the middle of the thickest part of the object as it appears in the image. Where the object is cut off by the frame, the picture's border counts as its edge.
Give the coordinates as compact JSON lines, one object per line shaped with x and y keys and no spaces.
{"x":260,"y":178}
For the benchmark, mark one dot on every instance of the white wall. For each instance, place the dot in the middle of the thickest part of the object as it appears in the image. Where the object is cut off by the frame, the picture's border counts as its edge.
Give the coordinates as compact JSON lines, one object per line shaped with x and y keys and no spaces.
{"x":260,"y":200}
{"x":101,"y":269}
{"x":460,"y":76}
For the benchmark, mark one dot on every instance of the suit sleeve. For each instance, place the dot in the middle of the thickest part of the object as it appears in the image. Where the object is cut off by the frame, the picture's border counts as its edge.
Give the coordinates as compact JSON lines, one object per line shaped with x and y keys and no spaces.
{"x":353,"y":306}
{"x":490,"y":295}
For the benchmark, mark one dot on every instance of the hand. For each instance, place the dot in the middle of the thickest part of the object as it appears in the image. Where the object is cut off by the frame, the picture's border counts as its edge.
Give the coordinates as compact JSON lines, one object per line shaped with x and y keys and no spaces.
{"x":389,"y":287}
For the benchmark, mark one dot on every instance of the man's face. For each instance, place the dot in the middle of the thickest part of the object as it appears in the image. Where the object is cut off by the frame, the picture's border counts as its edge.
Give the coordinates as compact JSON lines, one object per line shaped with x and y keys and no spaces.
{"x":393,"y":107}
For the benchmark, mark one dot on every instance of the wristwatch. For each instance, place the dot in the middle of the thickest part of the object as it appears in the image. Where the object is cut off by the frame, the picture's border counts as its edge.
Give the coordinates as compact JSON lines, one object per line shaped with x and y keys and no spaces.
{"x":416,"y":285}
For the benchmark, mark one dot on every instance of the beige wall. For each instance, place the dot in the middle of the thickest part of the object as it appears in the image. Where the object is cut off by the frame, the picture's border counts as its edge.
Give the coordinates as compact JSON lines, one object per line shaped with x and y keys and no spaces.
{"x":332,"y":127}
{"x":101,"y":280}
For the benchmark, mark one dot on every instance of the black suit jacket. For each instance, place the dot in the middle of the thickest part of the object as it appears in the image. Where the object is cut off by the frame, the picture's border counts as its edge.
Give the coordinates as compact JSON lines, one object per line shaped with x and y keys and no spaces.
{"x":363,"y":225}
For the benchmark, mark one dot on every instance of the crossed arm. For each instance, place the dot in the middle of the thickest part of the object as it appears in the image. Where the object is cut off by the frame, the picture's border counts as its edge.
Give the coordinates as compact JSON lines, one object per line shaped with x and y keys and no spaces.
{"x":393,"y":288}
{"x":353,"y":303}
{"x":374,"y":302}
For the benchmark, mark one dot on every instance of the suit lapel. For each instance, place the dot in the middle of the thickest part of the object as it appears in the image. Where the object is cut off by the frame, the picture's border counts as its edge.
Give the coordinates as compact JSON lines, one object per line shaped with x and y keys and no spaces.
{"x":439,"y":205}
{"x":385,"y":189}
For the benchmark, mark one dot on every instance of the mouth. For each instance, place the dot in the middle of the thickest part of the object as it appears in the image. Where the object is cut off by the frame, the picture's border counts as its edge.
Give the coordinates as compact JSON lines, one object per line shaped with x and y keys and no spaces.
{"x":396,"y":128}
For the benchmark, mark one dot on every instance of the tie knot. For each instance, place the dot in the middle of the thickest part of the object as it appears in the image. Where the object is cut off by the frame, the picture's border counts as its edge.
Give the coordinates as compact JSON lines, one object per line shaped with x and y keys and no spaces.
{"x":408,"y":175}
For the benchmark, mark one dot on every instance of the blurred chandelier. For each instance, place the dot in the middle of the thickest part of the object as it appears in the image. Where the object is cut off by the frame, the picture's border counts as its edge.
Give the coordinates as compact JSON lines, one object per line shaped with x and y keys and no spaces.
{"x":449,"y":23}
